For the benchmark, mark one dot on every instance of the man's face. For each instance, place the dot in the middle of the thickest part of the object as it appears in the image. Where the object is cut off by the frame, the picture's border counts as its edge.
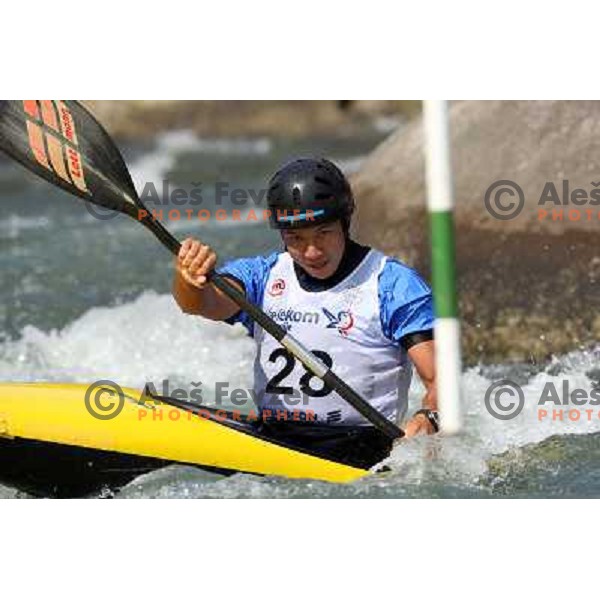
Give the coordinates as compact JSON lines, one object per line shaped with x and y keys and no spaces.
{"x":318,"y":250}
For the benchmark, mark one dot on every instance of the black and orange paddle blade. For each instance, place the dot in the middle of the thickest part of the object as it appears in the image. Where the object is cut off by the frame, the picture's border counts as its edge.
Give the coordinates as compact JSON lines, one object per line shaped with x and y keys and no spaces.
{"x":62,"y":142}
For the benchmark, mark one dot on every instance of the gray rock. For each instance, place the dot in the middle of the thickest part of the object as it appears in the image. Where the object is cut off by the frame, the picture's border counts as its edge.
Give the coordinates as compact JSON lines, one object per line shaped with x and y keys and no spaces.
{"x":528,"y":287}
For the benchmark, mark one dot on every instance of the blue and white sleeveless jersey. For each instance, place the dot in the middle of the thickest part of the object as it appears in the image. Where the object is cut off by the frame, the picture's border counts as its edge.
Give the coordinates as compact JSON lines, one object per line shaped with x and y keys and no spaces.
{"x":355,"y":327}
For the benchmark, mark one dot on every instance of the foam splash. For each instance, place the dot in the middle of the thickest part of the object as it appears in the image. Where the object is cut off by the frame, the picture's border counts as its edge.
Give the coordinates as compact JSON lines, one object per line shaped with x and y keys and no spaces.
{"x":464,"y":458}
{"x":7,"y":493}
{"x":154,"y":165}
{"x":12,"y":226}
{"x":147,"y":340}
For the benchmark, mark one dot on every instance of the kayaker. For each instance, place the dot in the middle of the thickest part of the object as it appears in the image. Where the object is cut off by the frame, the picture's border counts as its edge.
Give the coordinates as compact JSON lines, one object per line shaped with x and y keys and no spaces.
{"x":366,"y":314}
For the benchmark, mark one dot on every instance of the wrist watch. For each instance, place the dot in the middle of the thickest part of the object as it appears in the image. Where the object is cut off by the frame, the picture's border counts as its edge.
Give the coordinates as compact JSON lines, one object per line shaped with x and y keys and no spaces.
{"x":433,"y":417}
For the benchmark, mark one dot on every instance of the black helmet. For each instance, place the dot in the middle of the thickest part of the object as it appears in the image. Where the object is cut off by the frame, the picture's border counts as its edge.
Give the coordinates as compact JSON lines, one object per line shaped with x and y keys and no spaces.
{"x":309,"y":191}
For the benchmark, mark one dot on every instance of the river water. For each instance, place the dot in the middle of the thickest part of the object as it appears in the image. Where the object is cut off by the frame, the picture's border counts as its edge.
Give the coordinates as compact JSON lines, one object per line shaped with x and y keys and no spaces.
{"x":86,"y":299}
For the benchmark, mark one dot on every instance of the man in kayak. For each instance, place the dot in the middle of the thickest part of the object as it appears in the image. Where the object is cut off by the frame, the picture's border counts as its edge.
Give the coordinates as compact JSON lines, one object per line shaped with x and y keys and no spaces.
{"x":367,"y":316}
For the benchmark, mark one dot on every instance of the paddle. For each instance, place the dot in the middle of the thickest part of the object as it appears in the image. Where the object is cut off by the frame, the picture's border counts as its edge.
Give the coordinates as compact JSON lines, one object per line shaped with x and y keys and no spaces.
{"x":62,"y":142}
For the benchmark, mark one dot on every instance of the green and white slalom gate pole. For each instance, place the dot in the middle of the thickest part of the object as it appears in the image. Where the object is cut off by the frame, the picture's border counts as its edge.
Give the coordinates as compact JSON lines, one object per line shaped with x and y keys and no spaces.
{"x":440,"y":205}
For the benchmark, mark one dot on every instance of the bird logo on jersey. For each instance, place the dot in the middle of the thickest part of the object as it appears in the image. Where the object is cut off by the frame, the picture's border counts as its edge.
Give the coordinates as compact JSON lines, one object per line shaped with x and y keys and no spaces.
{"x":343,"y":322}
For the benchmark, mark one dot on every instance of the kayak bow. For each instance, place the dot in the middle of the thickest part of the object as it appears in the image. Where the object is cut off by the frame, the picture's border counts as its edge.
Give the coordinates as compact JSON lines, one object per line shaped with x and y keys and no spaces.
{"x":51,"y":444}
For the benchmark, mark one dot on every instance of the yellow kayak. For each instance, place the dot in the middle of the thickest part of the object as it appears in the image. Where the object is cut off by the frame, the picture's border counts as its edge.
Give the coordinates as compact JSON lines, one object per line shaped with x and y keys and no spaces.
{"x":52,"y":442}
